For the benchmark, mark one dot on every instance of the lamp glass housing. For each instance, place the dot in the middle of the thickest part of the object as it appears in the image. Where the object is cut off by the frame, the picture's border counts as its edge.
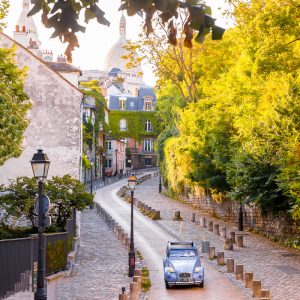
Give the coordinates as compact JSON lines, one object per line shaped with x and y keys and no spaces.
{"x":132,"y":182}
{"x":40,"y":164}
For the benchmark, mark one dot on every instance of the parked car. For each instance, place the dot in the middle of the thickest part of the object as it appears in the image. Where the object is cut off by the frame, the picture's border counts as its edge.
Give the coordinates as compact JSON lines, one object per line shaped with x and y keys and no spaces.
{"x":182,"y":265}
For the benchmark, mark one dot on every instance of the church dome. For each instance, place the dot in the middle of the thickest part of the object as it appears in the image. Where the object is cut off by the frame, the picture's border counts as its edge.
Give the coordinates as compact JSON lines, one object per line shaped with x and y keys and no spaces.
{"x":114,"y":56}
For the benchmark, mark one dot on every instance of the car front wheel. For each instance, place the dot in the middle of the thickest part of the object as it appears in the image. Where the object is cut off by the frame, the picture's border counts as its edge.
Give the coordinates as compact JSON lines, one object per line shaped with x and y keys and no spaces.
{"x":167,"y":285}
{"x":201,"y":285}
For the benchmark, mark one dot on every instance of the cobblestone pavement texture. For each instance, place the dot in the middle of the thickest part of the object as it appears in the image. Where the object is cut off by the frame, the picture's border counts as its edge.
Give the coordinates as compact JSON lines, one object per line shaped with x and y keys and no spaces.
{"x":277,"y":267}
{"x":151,"y":240}
{"x":101,"y":263}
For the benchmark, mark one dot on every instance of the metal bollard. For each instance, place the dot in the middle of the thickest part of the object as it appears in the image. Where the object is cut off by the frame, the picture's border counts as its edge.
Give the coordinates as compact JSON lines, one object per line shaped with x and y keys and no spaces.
{"x":230,"y":265}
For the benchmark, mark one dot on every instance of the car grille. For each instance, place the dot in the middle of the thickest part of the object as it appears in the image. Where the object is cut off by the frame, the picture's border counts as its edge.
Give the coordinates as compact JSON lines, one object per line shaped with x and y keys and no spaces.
{"x":184,"y":275}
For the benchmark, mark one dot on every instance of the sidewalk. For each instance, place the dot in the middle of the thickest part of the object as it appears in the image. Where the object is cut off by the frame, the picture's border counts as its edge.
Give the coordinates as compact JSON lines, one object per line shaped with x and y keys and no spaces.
{"x":101,"y":264}
{"x":278,"y":268}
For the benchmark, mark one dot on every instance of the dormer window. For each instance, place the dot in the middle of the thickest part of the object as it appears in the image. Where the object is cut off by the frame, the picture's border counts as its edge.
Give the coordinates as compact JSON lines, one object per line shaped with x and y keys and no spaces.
{"x":122,"y":103}
{"x":148,"y":103}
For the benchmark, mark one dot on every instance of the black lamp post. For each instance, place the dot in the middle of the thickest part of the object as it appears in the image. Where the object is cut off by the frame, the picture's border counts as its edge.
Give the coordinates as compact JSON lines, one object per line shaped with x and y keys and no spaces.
{"x":91,"y":186}
{"x":40,"y":166}
{"x":132,"y":182}
{"x":116,"y":151}
{"x":241,"y":218}
{"x":159,"y":185}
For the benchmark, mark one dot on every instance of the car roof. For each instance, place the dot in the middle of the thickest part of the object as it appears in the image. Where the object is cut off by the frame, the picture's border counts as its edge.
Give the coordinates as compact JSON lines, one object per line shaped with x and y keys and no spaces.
{"x":181,"y":245}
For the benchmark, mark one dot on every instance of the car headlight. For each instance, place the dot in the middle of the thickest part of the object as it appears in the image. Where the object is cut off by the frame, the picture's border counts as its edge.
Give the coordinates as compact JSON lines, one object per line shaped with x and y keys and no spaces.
{"x":171,"y":270}
{"x":197,"y":270}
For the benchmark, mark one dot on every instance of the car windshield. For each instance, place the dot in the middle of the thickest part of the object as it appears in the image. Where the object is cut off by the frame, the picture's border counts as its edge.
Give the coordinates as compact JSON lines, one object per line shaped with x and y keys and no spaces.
{"x":182,"y":253}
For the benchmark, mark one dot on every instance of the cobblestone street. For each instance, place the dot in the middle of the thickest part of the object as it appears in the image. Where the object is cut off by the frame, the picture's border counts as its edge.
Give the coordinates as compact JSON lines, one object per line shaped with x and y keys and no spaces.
{"x":100,"y":268}
{"x":278,"y":268}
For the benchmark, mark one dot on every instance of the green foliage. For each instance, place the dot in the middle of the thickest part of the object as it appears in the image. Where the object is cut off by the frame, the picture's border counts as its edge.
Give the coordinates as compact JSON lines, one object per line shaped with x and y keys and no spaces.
{"x":64,"y":193}
{"x":14,"y":105}
{"x":4,"y":7}
{"x":7,"y":232}
{"x":135,"y":124}
{"x":56,"y":256}
{"x":241,"y":138}
{"x":85,"y":162}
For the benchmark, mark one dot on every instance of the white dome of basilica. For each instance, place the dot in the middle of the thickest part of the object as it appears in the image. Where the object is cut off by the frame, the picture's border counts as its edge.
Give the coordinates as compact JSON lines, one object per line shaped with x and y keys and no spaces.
{"x":114,"y":56}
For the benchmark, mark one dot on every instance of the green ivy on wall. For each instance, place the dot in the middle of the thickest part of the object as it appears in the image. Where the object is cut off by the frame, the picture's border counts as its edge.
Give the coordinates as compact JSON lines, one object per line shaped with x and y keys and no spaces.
{"x":135,"y":124}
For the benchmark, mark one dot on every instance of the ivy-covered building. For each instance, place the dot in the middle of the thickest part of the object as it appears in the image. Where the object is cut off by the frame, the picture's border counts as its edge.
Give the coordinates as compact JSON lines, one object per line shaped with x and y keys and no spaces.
{"x":133,"y":120}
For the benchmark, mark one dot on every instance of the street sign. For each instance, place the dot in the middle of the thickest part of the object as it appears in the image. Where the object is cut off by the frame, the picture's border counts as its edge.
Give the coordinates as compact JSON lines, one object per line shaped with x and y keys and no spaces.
{"x":46,"y":221}
{"x":46,"y":205}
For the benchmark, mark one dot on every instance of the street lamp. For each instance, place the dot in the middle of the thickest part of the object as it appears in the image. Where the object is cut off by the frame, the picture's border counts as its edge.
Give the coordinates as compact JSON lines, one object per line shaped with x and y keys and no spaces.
{"x":241,"y":219}
{"x":132,"y":182}
{"x":40,"y":166}
{"x":159,"y":185}
{"x":91,"y":187}
{"x":116,"y":151}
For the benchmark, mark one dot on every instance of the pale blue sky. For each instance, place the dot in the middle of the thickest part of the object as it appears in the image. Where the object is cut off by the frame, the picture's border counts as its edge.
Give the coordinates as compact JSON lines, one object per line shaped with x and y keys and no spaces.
{"x":97,"y":40}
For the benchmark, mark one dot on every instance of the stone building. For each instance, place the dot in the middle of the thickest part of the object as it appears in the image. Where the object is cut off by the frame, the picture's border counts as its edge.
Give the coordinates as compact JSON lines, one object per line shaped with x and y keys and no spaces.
{"x":55,"y":118}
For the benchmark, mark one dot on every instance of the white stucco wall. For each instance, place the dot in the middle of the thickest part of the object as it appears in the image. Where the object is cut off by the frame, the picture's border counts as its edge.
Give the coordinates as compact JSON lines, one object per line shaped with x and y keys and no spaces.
{"x":72,"y":77}
{"x":55,"y":123}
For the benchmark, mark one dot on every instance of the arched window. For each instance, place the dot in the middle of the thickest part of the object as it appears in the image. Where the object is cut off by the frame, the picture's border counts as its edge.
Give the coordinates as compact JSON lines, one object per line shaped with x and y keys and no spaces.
{"x":148,"y":145}
{"x":148,"y":126}
{"x":123,"y":124}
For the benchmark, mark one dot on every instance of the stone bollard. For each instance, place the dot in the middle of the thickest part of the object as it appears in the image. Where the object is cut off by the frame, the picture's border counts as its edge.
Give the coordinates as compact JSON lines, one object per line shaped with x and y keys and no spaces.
{"x":216,"y":229}
{"x":205,"y":246}
{"x":134,"y":291}
{"x":177,"y":215}
{"x":127,"y":243}
{"x":265,"y":294}
{"x":203,"y":222}
{"x":210,"y":225}
{"x":228,"y":244}
{"x":138,"y":272}
{"x":156,"y":215}
{"x":120,"y":232}
{"x":232,"y":236}
{"x":239,"y":271}
{"x":220,"y":259}
{"x":193,"y":219}
{"x":124,"y":236}
{"x":230,"y":265}
{"x":211,"y":252}
{"x":256,"y":288}
{"x":223,"y":232}
{"x":248,"y":280}
{"x":116,"y":228}
{"x":138,"y":279}
{"x":239,"y":240}
{"x":123,"y":296}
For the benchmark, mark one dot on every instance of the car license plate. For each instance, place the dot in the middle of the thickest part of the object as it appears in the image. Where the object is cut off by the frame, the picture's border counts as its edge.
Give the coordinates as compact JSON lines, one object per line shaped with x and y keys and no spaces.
{"x":185,"y":279}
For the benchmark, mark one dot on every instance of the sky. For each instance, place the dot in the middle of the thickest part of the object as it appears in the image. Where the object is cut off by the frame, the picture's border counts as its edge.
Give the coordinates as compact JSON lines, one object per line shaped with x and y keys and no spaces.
{"x":98,"y":39}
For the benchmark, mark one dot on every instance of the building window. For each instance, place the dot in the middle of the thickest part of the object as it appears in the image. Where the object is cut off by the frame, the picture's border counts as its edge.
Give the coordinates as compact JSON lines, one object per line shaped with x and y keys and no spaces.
{"x":148,"y":105}
{"x":123,"y":125}
{"x":148,"y":161}
{"x":148,"y":126}
{"x":148,"y":145}
{"x":122,"y":103}
{"x":108,"y":145}
{"x":108,"y":163}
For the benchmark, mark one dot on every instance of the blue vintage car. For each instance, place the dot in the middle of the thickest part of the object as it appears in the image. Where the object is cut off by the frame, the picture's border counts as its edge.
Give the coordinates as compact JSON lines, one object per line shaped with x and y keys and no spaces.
{"x":182,"y":265}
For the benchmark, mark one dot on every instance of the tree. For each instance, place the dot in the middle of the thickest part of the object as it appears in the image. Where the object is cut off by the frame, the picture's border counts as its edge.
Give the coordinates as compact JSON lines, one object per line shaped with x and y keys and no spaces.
{"x":63,"y":17}
{"x":64,"y":193}
{"x":14,"y":103}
